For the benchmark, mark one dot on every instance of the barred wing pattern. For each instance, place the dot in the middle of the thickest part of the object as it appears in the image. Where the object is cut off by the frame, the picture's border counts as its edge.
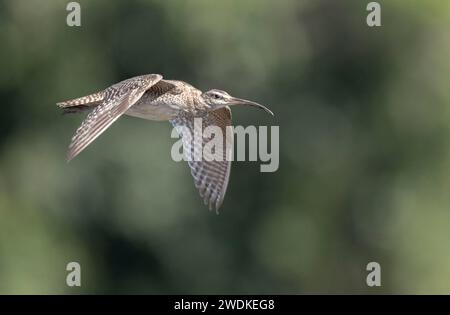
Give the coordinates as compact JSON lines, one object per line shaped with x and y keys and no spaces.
{"x":210,"y":175}
{"x":117,"y":99}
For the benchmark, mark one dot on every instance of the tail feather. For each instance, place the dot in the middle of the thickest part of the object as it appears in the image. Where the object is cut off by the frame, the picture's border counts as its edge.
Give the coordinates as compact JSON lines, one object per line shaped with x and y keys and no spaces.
{"x":92,"y":99}
{"x":77,"y":109}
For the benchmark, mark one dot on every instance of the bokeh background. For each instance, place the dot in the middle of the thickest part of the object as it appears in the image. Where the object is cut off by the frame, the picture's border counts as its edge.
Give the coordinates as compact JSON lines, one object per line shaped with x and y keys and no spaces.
{"x":364,"y":116}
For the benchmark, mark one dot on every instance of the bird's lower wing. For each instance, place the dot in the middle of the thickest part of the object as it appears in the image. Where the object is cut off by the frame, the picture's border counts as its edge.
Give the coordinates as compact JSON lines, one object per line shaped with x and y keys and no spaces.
{"x":210,"y":175}
{"x":118,"y":99}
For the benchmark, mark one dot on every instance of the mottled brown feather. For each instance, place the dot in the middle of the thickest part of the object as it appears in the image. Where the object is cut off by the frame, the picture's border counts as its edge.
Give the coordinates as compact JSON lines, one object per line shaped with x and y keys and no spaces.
{"x":210,"y":176}
{"x":118,"y":99}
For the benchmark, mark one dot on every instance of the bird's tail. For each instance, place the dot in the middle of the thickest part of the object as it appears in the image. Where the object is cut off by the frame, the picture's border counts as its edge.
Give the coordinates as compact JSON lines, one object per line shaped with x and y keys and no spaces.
{"x":85,"y":101}
{"x":77,"y":109}
{"x":81,"y":104}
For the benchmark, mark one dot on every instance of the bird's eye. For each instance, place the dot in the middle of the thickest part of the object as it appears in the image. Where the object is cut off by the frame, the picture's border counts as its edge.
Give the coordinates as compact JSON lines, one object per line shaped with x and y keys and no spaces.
{"x":216,"y":96}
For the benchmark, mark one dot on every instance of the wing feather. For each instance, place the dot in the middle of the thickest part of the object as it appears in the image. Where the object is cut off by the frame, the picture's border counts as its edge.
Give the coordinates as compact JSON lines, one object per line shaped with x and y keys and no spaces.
{"x":211,"y":176}
{"x":117,"y":100}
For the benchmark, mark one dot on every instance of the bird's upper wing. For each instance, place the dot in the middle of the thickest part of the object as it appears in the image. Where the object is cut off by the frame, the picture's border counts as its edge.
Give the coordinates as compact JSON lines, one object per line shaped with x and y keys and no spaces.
{"x":117,"y":99}
{"x":210,"y":175}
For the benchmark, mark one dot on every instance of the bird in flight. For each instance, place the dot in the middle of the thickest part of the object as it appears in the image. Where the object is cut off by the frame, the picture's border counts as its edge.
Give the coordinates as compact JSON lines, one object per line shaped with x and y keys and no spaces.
{"x":152,"y":98}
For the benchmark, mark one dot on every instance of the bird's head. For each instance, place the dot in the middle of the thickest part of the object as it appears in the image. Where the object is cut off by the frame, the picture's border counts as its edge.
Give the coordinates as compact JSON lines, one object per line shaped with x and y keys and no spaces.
{"x":217,"y":99}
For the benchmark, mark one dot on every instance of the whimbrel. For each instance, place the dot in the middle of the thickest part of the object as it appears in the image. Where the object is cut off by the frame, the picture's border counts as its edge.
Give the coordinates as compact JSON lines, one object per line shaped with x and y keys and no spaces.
{"x":150,"y":97}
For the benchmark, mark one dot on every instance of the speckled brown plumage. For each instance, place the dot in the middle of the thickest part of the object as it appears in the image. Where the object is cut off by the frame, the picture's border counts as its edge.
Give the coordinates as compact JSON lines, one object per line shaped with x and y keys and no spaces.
{"x":150,"y":97}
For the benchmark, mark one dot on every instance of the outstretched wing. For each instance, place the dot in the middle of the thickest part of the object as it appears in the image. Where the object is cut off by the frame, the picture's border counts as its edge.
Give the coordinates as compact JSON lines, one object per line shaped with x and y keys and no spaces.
{"x":210,"y":174}
{"x":117,"y":99}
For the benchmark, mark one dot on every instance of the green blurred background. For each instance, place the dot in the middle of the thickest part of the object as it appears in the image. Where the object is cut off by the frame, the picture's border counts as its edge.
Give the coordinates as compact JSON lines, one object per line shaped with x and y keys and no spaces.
{"x":364,"y":149}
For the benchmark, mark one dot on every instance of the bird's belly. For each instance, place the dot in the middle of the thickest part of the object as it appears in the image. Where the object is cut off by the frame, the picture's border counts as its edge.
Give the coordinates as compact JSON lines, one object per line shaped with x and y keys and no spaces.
{"x":152,"y":111}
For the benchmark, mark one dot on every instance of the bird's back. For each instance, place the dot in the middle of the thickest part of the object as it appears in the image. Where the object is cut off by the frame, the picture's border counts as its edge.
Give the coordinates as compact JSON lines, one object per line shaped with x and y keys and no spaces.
{"x":165,"y":100}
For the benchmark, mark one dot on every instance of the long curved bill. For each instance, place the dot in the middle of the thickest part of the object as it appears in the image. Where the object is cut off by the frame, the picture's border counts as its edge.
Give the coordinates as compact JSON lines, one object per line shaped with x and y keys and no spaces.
{"x":240,"y":101}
